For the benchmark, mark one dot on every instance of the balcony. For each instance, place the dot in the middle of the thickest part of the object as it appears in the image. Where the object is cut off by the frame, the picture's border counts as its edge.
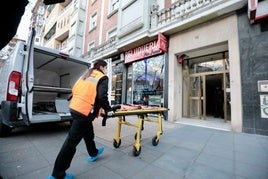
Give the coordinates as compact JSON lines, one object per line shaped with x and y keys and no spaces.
{"x":188,"y":13}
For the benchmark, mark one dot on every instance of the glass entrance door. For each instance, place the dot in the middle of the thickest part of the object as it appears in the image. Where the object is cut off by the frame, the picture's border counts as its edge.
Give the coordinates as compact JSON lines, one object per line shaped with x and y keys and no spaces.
{"x":206,"y":89}
{"x":206,"y":96}
{"x":195,"y":97}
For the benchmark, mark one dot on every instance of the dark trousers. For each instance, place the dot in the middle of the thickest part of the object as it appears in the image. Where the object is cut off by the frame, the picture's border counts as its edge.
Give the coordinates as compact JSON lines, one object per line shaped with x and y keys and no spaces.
{"x":81,"y":128}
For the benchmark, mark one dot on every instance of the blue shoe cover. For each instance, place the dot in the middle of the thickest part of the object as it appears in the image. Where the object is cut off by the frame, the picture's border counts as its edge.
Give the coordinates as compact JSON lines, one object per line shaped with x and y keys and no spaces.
{"x":92,"y":159}
{"x":51,"y":177}
{"x":67,"y":176}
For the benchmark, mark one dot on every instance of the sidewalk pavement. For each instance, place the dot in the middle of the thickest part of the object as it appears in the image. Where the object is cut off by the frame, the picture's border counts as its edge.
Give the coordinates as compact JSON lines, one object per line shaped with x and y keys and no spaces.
{"x":183,"y":152}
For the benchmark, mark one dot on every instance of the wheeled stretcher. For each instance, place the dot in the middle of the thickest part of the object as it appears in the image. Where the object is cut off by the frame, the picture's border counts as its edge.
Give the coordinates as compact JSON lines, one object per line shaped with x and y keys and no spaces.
{"x":142,"y":115}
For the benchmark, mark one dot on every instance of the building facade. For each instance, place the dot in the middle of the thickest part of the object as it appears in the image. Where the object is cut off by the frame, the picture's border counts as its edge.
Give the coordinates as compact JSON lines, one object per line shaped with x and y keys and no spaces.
{"x":201,"y":74}
{"x":202,"y":59}
{"x":61,"y":26}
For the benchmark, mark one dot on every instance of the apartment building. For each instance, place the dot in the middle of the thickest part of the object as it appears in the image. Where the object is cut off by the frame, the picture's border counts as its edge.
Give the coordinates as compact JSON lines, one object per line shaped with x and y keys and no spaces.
{"x":202,"y":59}
{"x":61,"y":26}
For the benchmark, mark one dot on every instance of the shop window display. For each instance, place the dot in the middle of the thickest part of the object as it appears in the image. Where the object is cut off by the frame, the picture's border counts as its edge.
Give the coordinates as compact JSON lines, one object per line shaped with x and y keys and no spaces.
{"x":116,"y":92}
{"x":145,"y":82}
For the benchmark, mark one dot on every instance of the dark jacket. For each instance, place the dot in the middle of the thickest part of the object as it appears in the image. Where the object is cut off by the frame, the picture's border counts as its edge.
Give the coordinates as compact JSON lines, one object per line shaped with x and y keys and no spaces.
{"x":102,"y":96}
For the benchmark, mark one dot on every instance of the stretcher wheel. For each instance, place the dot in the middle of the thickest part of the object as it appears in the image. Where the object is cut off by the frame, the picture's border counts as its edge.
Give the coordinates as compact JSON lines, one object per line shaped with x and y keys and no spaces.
{"x":116,"y":145}
{"x":136,"y":136}
{"x":155,"y":141}
{"x":136,"y":152}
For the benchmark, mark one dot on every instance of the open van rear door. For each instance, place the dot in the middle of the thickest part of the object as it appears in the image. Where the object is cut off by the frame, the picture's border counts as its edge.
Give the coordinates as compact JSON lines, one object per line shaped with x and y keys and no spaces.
{"x":28,"y":80}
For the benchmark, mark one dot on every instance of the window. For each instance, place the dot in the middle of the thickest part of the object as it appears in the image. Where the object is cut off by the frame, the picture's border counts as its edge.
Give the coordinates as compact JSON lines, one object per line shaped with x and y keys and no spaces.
{"x":41,"y":10}
{"x":57,"y":46}
{"x":37,"y":39}
{"x":93,"y":1}
{"x":209,"y":66}
{"x":91,"y":45}
{"x":64,"y":44}
{"x":114,"y":4}
{"x":80,"y":27}
{"x":111,"y":33}
{"x":145,"y":82}
{"x":70,"y":51}
{"x":75,"y":4}
{"x":93,"y":21}
{"x":73,"y":29}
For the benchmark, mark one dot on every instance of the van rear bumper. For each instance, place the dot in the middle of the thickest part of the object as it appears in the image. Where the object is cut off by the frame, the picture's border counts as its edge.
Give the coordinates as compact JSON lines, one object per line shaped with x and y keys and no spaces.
{"x":9,"y":111}
{"x":9,"y":114}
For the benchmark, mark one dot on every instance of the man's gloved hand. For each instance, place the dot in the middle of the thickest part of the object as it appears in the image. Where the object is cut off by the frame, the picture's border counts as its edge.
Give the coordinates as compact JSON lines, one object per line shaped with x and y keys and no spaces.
{"x":116,"y":106}
{"x":106,"y":116}
{"x":110,"y":114}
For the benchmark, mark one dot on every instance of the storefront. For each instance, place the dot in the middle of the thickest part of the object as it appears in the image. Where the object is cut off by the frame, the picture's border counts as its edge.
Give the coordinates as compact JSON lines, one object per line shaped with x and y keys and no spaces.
{"x":145,"y":73}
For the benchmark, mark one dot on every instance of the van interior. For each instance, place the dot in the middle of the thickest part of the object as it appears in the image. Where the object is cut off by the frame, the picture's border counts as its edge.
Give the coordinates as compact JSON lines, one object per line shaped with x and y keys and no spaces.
{"x":54,"y":76}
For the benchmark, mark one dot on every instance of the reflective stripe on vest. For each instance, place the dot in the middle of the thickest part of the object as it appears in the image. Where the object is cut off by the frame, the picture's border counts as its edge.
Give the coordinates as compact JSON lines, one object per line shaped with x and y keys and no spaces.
{"x":84,"y":93}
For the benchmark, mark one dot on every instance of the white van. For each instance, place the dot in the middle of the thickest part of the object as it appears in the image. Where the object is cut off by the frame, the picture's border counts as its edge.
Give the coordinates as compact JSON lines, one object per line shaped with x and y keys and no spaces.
{"x":35,"y":84}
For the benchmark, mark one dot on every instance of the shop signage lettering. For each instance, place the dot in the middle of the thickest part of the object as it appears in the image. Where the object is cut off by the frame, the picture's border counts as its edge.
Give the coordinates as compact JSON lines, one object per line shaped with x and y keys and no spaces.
{"x":147,"y":50}
{"x":145,"y":92}
{"x":149,"y":92}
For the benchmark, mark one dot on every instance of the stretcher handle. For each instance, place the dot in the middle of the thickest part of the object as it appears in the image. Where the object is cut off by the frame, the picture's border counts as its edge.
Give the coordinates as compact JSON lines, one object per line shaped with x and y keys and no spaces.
{"x":105,"y":117}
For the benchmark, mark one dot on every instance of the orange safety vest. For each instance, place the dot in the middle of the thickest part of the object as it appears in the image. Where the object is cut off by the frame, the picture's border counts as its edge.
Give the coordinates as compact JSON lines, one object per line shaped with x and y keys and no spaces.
{"x":84,"y":93}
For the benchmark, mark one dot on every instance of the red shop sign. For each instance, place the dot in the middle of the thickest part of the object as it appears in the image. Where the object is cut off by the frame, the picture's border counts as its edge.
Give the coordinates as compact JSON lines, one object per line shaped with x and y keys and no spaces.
{"x":152,"y":48}
{"x":162,"y":42}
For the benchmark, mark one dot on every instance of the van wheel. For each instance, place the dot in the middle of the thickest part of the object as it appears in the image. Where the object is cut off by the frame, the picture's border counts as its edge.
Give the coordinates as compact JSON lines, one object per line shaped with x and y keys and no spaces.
{"x":4,"y":129}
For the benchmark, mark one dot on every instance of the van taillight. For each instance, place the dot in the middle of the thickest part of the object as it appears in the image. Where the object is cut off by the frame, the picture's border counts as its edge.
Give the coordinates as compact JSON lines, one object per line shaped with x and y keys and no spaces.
{"x":13,"y":86}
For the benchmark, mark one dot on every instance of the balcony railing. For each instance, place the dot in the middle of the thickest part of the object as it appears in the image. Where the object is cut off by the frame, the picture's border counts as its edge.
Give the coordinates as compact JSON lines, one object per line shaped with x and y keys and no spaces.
{"x":185,"y":11}
{"x":178,"y":10}
{"x":103,"y":49}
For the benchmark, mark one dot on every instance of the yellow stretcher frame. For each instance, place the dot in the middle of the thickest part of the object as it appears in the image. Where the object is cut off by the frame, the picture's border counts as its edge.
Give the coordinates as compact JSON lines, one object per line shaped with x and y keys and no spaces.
{"x":142,"y":116}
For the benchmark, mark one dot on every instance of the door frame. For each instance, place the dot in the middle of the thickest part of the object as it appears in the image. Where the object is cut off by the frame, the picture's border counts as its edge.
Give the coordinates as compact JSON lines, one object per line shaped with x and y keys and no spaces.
{"x":201,"y":94}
